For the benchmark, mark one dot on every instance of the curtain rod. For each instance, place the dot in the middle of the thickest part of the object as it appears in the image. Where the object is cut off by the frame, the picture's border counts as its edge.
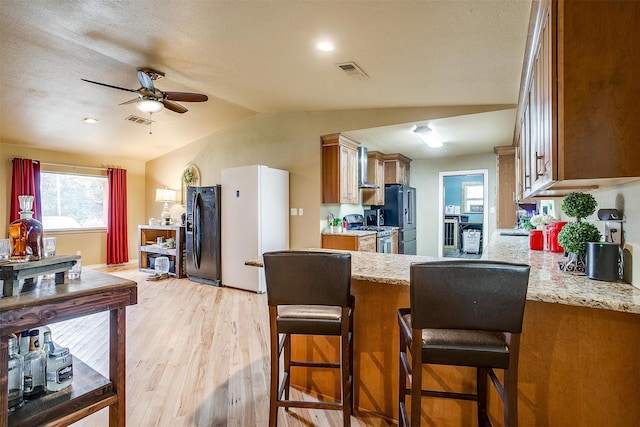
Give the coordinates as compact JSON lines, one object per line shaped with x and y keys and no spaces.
{"x":68,"y":166}
{"x":74,"y":166}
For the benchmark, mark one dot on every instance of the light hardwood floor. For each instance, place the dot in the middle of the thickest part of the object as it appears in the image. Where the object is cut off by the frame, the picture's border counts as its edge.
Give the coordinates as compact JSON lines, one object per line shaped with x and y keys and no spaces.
{"x":197,"y":355}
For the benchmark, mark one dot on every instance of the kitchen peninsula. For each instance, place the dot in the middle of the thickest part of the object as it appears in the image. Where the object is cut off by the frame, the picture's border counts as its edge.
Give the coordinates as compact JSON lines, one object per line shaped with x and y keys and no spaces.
{"x":579,"y":349}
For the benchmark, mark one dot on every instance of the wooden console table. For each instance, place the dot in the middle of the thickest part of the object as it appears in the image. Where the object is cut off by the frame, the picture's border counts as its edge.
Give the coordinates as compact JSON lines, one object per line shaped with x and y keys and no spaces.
{"x":50,"y":303}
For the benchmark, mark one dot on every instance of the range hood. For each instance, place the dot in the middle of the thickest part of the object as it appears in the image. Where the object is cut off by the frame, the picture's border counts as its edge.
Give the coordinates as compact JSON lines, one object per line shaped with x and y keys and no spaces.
{"x":362,"y":169}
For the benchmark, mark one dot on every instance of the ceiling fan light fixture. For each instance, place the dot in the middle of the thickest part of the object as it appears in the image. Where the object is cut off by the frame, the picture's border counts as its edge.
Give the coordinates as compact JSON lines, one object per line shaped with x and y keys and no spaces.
{"x":149,"y":106}
{"x":429,"y":136}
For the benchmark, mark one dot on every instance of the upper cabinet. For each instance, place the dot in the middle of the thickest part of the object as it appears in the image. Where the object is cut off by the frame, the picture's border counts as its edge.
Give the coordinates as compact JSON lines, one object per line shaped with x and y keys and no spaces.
{"x":578,"y":125}
{"x":396,"y":169}
{"x":375,"y":175}
{"x":339,"y":169}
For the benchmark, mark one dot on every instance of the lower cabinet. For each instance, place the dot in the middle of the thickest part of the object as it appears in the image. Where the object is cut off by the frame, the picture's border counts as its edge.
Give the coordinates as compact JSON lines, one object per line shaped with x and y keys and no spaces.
{"x":350,"y":242}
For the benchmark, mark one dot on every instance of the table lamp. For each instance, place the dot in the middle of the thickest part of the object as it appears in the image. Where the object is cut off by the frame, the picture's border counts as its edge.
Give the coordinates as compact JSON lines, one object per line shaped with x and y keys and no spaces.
{"x":165,"y":195}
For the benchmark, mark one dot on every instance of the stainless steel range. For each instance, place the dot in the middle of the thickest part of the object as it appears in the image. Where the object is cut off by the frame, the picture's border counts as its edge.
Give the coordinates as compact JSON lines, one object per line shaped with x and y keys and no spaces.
{"x":384,"y":234}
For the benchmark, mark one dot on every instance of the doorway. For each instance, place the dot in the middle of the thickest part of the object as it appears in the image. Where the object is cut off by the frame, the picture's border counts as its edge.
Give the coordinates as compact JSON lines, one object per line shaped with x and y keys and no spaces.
{"x":462,"y":213}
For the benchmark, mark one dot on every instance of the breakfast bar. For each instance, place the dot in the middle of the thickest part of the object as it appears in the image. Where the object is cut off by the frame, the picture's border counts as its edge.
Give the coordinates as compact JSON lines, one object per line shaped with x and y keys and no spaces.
{"x":579,"y":348}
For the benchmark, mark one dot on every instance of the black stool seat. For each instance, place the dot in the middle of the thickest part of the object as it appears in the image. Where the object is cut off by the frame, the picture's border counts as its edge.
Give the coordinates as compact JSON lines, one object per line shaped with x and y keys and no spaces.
{"x":461,"y":347}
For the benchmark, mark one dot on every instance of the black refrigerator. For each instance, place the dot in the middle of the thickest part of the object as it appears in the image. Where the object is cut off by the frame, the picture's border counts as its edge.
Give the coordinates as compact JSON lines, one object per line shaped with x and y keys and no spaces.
{"x":203,"y":235}
{"x":400,"y":211}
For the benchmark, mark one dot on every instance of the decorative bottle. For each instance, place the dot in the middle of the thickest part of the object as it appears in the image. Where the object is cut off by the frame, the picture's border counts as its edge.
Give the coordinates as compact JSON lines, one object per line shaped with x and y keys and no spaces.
{"x":59,"y":369}
{"x":15,"y":376}
{"x":25,"y":233}
{"x":35,"y":366}
{"x":48,"y":345}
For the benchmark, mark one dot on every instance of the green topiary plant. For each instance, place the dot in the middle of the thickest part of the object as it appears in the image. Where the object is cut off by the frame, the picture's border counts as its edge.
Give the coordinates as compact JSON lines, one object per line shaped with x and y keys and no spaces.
{"x":575,"y":235}
{"x":579,"y":205}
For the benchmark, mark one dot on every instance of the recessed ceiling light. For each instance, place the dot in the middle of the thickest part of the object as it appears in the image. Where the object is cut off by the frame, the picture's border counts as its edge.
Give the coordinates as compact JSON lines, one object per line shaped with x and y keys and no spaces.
{"x":90,"y":120}
{"x":325,"y":46}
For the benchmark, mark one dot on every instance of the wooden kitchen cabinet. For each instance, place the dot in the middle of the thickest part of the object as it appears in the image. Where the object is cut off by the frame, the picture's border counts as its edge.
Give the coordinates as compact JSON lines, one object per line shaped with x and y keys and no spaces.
{"x":506,"y":177}
{"x":148,"y":247}
{"x":349,"y":242}
{"x":577,"y":126}
{"x":396,"y":169}
{"x":339,"y":169}
{"x":375,"y":175}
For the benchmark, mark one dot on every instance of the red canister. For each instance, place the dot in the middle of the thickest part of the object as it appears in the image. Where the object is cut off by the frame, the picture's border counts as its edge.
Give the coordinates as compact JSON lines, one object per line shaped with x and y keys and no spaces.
{"x":554,"y":246}
{"x":536,"y":240}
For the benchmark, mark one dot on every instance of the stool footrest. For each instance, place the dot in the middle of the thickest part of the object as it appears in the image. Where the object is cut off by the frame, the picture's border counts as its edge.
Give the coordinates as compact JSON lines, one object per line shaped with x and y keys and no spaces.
{"x":447,"y":394}
{"x":311,"y":364}
{"x":310,"y":405}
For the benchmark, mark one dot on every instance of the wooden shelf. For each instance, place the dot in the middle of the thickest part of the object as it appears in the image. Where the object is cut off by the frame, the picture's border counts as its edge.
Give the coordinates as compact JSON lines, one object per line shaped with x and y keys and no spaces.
{"x":88,"y":388}
{"x":150,"y":233}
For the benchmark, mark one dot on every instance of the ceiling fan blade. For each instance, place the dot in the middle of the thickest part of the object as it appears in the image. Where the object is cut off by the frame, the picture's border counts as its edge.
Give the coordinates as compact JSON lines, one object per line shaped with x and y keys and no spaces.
{"x":185,"y":96}
{"x":146,"y":81}
{"x":131,"y":101}
{"x":111,"y":86}
{"x":173,"y":106}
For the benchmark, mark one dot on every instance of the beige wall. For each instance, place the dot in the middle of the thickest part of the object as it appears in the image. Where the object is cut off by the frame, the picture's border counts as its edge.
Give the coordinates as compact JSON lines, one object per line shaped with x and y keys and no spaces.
{"x":92,"y":244}
{"x":288,"y":141}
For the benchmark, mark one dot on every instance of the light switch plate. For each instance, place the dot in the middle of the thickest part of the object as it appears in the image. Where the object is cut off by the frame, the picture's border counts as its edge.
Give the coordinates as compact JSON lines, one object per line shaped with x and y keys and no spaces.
{"x":294,"y":211}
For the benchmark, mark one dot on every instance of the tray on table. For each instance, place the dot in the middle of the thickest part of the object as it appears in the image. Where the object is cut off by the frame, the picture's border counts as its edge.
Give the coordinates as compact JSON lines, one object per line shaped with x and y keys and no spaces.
{"x":12,"y":272}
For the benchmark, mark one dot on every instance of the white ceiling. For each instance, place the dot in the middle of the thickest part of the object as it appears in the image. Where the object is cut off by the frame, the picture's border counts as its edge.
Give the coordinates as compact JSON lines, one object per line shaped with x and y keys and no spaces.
{"x":251,"y":57}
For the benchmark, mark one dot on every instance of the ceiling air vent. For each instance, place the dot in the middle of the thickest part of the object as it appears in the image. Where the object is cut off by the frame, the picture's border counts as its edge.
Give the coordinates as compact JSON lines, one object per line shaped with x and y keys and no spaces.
{"x":352,"y":70}
{"x":140,"y":120}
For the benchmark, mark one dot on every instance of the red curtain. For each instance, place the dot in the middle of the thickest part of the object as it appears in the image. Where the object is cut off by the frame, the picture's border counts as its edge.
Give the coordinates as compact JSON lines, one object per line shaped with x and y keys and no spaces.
{"x":117,"y":241}
{"x":25,"y":181}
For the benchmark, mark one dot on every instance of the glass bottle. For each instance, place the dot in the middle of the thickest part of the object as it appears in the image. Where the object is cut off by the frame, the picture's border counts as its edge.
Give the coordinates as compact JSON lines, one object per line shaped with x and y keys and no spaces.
{"x":35,"y":365}
{"x":48,"y":345}
{"x":25,"y":233}
{"x":23,"y":346}
{"x":59,"y":369}
{"x":15,"y":376}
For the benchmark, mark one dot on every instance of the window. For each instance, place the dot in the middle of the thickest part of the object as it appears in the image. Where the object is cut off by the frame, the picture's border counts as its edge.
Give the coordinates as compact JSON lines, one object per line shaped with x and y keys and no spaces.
{"x":473,"y":194}
{"x":73,"y":201}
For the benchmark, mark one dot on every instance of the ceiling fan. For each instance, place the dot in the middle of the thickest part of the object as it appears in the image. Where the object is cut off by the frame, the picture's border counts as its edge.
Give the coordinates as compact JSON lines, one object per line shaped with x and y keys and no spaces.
{"x":153,"y":100}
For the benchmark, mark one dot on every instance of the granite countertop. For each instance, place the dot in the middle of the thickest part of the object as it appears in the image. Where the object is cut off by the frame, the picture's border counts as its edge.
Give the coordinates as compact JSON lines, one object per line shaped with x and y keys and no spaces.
{"x":546,"y":282}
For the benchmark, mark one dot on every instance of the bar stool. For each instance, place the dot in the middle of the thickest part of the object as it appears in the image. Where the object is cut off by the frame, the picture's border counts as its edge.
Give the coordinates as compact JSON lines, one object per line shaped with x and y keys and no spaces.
{"x":463,"y":313}
{"x":309,"y":293}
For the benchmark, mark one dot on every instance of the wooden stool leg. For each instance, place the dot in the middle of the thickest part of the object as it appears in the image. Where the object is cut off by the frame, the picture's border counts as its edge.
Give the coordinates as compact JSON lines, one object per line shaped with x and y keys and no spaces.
{"x":402,"y":379}
{"x":481,"y":391}
{"x":287,"y":367}
{"x":275,"y":374}
{"x":416,"y":376}
{"x":345,"y":368}
{"x":511,"y":382}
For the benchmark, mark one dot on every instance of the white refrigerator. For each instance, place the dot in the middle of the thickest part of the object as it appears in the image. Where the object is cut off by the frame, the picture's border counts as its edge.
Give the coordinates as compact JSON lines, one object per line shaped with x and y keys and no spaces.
{"x":255,"y":219}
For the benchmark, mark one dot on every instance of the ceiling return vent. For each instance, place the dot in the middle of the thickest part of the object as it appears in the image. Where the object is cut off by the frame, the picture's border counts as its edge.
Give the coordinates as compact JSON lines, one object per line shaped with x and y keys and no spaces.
{"x":352,"y":70}
{"x":139,"y":120}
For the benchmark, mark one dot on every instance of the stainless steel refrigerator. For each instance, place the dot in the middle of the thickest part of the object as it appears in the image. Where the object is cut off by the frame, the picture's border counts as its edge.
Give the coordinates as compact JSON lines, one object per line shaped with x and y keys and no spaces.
{"x":203,"y":222}
{"x":400,"y":211}
{"x":255,"y":219}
